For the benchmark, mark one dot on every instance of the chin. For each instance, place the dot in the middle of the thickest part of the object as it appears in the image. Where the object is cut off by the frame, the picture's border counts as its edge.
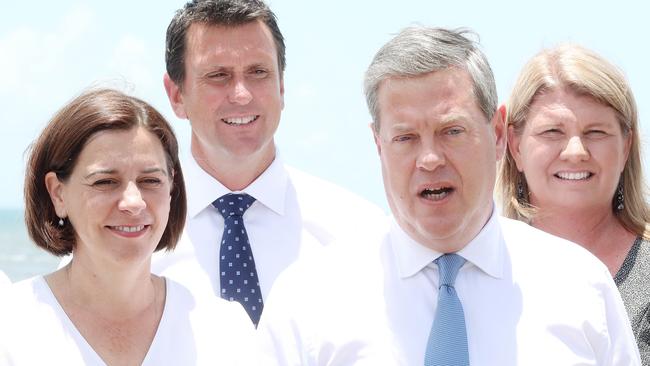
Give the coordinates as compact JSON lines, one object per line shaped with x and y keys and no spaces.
{"x":435,"y":229}
{"x":135,"y":254}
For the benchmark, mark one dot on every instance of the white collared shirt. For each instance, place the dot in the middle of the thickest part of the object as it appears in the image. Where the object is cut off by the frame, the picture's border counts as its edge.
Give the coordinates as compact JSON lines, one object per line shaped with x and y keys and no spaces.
{"x":529,"y":298}
{"x":294,"y":213}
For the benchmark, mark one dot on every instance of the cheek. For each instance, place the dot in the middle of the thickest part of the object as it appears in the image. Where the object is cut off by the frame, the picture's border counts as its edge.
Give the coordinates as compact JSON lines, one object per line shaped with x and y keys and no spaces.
{"x":397,"y":167}
{"x":83,"y":204}
{"x":534,"y":157}
{"x":162,"y":201}
{"x":621,"y":156}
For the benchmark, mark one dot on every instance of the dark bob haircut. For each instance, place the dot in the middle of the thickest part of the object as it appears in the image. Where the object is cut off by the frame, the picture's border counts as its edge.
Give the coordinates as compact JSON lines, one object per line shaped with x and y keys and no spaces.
{"x":57,"y":150}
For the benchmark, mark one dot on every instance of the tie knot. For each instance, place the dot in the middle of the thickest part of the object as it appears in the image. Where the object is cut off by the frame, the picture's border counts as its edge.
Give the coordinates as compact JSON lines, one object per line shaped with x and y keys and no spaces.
{"x":233,"y":204}
{"x":448,"y":266}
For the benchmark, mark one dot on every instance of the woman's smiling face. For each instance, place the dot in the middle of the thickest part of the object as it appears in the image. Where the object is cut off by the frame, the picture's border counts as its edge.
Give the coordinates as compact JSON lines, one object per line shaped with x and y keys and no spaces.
{"x":117,"y":197}
{"x":571,"y":150}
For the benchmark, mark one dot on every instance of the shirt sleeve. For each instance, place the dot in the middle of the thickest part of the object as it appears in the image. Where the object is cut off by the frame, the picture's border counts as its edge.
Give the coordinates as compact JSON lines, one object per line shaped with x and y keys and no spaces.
{"x":623,"y":349}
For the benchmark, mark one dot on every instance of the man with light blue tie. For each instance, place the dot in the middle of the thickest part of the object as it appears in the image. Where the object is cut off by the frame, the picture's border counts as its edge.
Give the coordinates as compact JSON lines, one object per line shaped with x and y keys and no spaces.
{"x":449,"y":282}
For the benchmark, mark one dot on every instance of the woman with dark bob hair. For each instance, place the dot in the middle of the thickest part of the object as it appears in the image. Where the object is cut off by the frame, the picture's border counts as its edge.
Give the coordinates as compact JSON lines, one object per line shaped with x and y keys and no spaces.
{"x":573,"y":167}
{"x":103,"y":182}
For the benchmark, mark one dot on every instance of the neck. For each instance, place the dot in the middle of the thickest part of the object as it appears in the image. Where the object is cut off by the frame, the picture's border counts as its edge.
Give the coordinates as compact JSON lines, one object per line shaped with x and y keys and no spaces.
{"x":235,"y":172}
{"x":598,"y":231}
{"x":105,"y":289}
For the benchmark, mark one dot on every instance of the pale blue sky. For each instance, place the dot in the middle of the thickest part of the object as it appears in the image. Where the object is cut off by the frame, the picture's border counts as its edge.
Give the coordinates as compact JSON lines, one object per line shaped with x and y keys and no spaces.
{"x":51,"y":50}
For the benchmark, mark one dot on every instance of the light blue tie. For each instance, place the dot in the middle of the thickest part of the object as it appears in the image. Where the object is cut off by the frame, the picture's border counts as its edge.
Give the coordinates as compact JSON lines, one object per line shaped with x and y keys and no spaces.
{"x":447,"y":345}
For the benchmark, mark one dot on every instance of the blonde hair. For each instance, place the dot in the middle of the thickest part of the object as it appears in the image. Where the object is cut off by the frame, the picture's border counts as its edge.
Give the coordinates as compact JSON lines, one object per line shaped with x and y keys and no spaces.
{"x":584,"y":72}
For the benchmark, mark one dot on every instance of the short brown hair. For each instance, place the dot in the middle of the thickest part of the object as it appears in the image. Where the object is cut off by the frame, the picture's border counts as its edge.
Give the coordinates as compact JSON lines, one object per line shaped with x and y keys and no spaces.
{"x":57,"y":150}
{"x":228,"y":13}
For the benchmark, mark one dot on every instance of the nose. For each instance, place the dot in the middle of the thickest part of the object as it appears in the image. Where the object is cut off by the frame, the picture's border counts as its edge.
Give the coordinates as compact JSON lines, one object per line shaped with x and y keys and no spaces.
{"x":240,"y":94}
{"x":429,"y":159}
{"x":575,"y":150}
{"x":132,"y":201}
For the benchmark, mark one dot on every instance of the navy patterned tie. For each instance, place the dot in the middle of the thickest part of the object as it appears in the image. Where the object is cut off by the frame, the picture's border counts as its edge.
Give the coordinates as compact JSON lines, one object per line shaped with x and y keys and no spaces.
{"x":239,"y":280}
{"x":447,"y":345}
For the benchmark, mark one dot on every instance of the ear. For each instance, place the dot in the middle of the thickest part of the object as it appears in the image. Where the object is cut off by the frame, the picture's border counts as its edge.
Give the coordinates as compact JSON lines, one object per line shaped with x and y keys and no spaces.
{"x":513,"y":147}
{"x":502,"y":111}
{"x":55,"y":188}
{"x":499,"y":126}
{"x":175,"y":97}
{"x":375,"y":136}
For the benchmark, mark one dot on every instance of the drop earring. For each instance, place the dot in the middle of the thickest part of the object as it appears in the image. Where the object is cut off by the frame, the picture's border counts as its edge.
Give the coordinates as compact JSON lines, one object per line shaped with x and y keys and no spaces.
{"x":522,"y":189}
{"x":61,"y":221}
{"x":619,"y":198}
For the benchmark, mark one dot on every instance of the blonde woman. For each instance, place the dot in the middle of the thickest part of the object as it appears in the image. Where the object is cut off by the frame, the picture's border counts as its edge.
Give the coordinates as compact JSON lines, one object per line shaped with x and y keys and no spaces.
{"x":573,"y":167}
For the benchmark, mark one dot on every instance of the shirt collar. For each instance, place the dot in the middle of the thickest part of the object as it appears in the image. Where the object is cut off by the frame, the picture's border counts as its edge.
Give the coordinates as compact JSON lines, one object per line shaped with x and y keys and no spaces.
{"x":485,"y":251}
{"x":269,"y":189}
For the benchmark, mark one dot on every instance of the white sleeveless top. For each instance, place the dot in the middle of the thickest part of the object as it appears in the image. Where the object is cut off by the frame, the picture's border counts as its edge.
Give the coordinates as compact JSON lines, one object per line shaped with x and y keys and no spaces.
{"x":192,"y":331}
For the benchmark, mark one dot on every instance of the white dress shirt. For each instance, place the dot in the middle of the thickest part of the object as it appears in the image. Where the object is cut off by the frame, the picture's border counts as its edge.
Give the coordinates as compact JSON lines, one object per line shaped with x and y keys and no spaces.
{"x":294,"y":213}
{"x":192,"y":331}
{"x":529,"y":298}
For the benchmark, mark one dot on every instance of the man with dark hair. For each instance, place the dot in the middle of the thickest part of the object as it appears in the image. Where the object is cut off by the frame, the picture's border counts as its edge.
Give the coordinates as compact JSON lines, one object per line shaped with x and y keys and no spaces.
{"x":249,"y":216}
{"x":449,"y":282}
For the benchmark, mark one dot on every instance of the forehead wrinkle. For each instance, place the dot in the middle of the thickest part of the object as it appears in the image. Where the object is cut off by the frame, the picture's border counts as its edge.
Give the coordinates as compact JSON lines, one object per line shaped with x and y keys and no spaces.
{"x":154,"y":170}
{"x":554,"y":114}
{"x":216,"y":44}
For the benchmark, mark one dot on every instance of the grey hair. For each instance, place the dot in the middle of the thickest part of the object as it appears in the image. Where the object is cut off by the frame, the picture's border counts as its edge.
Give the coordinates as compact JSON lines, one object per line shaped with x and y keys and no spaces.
{"x":420,"y":50}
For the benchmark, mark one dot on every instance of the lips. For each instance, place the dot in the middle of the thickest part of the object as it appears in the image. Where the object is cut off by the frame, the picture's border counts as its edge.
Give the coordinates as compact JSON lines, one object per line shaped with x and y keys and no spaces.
{"x":436,"y":193}
{"x":128,"y":229}
{"x":575,"y":176}
{"x":240,"y":121}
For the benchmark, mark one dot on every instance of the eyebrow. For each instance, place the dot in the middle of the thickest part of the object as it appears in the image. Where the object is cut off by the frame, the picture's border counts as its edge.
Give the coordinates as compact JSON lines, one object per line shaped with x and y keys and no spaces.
{"x":451,"y":118}
{"x":401,"y":127}
{"x":258,"y":65}
{"x":113,"y":171}
{"x":214,"y":68}
{"x":217,"y":67}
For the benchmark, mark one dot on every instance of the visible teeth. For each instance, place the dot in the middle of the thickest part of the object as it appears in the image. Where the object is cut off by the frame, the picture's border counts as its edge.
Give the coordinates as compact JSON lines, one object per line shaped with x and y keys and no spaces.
{"x":436,"y":194}
{"x":239,"y":120}
{"x":573,"y":176}
{"x":129,"y":229}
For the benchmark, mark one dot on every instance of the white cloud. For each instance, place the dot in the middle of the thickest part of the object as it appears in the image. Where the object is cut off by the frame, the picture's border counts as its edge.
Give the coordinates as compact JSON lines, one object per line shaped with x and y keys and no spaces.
{"x":131,"y":59}
{"x":30,"y":54}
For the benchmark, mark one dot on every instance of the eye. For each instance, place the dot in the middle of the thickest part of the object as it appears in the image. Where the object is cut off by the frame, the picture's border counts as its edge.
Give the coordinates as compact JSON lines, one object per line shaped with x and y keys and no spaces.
{"x":596,"y":133}
{"x":150,"y":182}
{"x":259,"y":72}
{"x":451,"y":131}
{"x":104,"y":182}
{"x":551,"y":132}
{"x":219,"y":75}
{"x":403,"y":138}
